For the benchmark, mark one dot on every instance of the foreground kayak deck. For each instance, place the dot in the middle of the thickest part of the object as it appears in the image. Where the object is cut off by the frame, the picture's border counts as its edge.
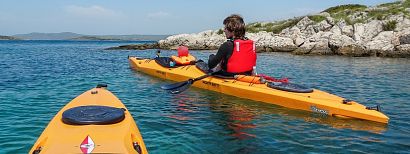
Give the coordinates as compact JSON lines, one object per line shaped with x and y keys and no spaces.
{"x":121,"y":137}
{"x":316,"y":101}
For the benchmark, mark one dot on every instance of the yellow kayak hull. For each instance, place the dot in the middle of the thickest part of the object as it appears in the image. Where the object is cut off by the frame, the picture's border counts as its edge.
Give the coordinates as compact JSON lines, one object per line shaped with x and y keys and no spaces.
{"x":316,"y":101}
{"x":120,"y":137}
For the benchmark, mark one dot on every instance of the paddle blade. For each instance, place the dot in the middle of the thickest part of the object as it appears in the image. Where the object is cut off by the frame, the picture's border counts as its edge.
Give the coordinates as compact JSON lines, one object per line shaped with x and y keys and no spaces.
{"x":174,"y":85}
{"x":180,"y":89}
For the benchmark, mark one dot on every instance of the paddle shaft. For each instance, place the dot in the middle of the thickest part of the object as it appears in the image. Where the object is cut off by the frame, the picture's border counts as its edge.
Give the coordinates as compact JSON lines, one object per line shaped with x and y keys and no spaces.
{"x":202,"y":77}
{"x":182,"y":86}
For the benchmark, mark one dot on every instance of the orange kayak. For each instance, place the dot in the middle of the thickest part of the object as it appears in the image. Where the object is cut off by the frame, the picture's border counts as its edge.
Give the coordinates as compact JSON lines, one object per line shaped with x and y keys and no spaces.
{"x":313,"y":100}
{"x":94,"y":122}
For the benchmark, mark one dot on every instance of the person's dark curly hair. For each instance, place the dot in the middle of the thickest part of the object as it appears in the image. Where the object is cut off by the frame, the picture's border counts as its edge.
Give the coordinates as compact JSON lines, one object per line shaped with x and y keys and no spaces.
{"x":234,"y":23}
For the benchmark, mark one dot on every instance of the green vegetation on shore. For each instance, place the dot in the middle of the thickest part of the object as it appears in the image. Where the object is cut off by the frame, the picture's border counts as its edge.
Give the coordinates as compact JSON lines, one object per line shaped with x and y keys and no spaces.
{"x":342,"y":8}
{"x":351,"y":14}
{"x":275,"y":27}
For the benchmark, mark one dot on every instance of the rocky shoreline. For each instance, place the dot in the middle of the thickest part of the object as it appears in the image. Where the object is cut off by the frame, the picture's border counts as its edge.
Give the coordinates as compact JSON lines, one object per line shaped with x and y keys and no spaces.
{"x":386,"y":37}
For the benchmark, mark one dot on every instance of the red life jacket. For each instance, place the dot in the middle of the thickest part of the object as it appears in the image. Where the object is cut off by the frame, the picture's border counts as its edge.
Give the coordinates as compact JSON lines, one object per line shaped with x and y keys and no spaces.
{"x":243,"y":57}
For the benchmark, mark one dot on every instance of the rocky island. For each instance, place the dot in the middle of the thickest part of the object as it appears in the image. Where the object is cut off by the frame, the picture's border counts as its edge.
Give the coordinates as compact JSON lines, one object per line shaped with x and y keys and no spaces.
{"x":349,"y":30}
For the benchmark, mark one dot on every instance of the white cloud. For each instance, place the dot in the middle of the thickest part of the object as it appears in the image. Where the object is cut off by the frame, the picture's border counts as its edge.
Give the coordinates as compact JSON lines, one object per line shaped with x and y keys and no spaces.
{"x":159,"y":14}
{"x":92,"y":11}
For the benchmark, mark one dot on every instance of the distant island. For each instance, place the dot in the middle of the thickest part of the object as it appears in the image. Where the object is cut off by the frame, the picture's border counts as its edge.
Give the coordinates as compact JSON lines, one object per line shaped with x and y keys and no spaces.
{"x":96,"y":38}
{"x":8,"y":38}
{"x":75,"y":36}
{"x":349,"y":30}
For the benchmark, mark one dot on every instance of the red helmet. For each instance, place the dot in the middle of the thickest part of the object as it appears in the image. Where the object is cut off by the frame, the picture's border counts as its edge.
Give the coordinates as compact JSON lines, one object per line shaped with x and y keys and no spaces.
{"x":182,"y":51}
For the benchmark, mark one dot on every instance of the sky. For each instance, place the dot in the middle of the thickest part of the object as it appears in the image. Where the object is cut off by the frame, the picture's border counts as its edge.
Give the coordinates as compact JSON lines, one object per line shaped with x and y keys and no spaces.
{"x":148,"y":17}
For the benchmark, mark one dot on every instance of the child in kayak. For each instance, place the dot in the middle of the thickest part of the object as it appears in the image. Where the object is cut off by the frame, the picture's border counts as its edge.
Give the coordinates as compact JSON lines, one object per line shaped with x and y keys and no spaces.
{"x":237,"y":55}
{"x":183,"y":58}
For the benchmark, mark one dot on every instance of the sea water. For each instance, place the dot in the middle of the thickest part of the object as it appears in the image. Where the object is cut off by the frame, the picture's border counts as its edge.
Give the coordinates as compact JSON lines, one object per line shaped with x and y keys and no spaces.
{"x":39,"y":77}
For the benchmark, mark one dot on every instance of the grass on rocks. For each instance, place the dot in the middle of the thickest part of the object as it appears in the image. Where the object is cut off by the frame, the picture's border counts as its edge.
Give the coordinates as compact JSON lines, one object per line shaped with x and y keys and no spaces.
{"x":361,"y":13}
{"x":345,"y":8}
{"x":274,"y":27}
{"x":389,"y":26}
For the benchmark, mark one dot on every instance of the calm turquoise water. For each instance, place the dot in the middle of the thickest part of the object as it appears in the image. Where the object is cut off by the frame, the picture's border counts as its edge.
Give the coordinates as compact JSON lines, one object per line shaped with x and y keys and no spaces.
{"x":40,"y":77}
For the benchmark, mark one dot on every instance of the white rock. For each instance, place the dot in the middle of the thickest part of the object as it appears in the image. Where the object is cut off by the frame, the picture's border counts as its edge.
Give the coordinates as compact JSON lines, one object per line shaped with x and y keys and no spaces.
{"x":341,"y":23}
{"x":355,"y":50}
{"x":276,"y":43}
{"x":404,"y":36}
{"x":365,"y":32}
{"x":382,"y":42}
{"x":358,"y":31}
{"x":336,"y":30}
{"x":322,"y":26}
{"x":347,"y":30}
{"x":298,"y":41}
{"x":320,"y":36}
{"x":203,"y":40}
{"x":403,"y":24}
{"x":330,"y":20}
{"x":316,"y":48}
{"x":338,"y":41}
{"x":404,"y":48}
{"x":401,"y":51}
{"x":304,"y":23}
{"x":309,"y":31}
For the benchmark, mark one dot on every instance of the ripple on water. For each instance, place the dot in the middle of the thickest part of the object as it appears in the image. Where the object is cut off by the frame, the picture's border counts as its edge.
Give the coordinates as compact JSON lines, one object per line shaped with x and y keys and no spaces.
{"x":39,"y":78}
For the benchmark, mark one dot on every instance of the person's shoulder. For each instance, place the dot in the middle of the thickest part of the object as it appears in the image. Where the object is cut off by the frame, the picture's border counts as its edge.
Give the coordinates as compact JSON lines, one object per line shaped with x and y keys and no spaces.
{"x":247,"y":39}
{"x":228,"y":42}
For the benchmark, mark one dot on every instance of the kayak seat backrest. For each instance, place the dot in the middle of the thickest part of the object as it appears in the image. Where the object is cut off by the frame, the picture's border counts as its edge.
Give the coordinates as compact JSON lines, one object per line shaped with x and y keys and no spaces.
{"x":290,"y":87}
{"x":165,"y":62}
{"x":93,"y":115}
{"x":203,"y":66}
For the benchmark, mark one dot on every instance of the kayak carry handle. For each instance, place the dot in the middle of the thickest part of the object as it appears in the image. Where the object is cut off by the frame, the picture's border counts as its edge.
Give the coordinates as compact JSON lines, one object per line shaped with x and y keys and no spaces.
{"x":137,"y":147}
{"x":347,"y":101}
{"x":377,"y":108}
{"x":37,"y":151}
{"x":101,"y":85}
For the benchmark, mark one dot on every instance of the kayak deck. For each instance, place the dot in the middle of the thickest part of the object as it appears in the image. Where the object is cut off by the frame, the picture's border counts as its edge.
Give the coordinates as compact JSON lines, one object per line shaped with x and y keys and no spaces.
{"x":121,"y":137}
{"x":316,"y":101}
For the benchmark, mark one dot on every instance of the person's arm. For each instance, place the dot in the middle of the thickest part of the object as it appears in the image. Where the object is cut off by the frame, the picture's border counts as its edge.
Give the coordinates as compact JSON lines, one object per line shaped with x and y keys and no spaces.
{"x":223,"y":50}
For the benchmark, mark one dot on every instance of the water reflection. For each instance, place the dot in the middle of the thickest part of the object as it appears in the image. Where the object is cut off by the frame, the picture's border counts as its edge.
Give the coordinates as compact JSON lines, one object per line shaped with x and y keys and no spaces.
{"x":241,"y":116}
{"x":183,"y":107}
{"x":238,"y":119}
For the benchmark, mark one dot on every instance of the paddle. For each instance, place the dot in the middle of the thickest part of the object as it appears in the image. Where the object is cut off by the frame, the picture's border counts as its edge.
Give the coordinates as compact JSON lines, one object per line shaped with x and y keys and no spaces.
{"x":179,"y":87}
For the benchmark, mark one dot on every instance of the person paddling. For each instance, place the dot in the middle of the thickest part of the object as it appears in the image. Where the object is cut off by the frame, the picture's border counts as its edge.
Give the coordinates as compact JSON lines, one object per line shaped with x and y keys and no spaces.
{"x":237,"y":55}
